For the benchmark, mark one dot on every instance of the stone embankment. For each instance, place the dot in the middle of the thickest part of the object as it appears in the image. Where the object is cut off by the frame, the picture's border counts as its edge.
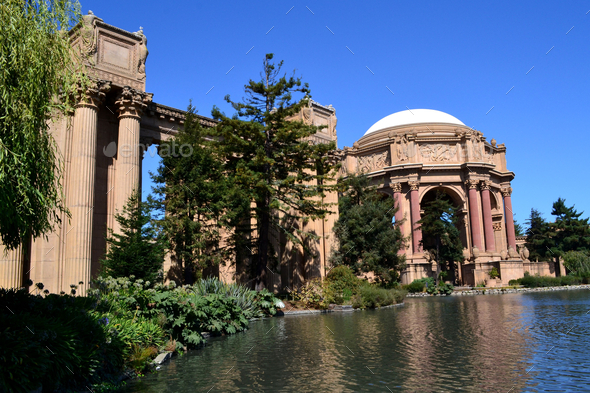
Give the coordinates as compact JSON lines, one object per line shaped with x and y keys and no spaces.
{"x":501,"y":291}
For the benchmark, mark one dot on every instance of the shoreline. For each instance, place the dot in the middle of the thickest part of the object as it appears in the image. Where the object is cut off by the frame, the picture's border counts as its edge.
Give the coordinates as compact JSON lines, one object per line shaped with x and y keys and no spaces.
{"x":502,"y":291}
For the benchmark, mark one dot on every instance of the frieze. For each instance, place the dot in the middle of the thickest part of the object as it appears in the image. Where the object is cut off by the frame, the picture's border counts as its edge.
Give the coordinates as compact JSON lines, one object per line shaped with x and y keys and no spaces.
{"x":373,"y":162}
{"x":438,"y":152}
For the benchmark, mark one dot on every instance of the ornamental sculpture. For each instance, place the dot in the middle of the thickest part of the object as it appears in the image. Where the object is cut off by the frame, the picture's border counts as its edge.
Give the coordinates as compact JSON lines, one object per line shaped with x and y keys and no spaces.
{"x":373,"y":162}
{"x":438,"y":152}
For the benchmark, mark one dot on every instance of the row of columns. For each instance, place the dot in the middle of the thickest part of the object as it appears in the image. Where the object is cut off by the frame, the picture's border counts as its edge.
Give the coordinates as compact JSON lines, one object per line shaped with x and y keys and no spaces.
{"x":476,"y":236}
{"x":81,"y":188}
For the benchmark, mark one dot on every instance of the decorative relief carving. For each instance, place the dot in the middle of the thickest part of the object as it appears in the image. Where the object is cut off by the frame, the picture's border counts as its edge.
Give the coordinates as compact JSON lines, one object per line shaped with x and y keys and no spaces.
{"x":506,"y":191}
{"x":414,"y":185}
{"x":485,"y":184}
{"x":131,"y":102}
{"x":438,"y":152}
{"x":94,"y":93}
{"x":402,"y":149}
{"x":89,"y":37}
{"x":396,"y":186}
{"x":373,"y":162}
{"x":497,"y":226}
{"x":471,"y":183}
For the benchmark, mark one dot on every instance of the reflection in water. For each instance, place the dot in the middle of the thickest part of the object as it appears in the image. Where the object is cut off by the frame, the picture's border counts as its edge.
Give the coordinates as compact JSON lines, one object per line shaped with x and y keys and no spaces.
{"x":488,"y":343}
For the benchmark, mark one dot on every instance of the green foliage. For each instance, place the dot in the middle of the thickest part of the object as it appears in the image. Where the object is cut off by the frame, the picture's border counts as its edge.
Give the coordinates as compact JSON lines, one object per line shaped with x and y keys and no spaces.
{"x":368,"y":241}
{"x":420,"y":285}
{"x":193,"y":198}
{"x":569,"y":232}
{"x":494,"y":273}
{"x":373,"y":296}
{"x":577,"y":263}
{"x":311,"y":295}
{"x":536,"y":281}
{"x":440,"y":233}
{"x":535,"y":235}
{"x":56,"y":341}
{"x":518,"y":229}
{"x":341,"y":284}
{"x":37,"y":65}
{"x":270,"y":161}
{"x":139,"y":249}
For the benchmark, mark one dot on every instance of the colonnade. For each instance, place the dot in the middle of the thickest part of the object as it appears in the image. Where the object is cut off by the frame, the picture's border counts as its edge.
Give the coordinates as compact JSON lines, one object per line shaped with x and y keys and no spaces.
{"x":474,"y":215}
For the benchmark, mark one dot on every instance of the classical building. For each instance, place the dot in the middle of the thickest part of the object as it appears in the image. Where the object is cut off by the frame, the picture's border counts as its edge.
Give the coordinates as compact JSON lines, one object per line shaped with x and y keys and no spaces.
{"x":412,"y":155}
{"x":409,"y":154}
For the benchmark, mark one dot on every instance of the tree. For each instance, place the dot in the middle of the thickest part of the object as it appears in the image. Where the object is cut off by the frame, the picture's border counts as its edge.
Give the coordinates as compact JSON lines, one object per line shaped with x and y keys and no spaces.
{"x":439,"y":230}
{"x":368,"y":240}
{"x":38,"y":80}
{"x":535,"y":235}
{"x":140,"y":247}
{"x":191,"y":194}
{"x":271,"y":161}
{"x":518,"y":229}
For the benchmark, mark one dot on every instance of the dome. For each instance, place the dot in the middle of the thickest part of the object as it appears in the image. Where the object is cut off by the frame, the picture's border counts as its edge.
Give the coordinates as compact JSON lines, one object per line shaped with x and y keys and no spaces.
{"x":413,"y":116}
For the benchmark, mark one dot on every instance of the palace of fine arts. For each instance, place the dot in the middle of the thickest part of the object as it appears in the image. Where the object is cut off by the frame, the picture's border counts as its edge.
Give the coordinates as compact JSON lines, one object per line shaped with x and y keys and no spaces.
{"x":335,"y":202}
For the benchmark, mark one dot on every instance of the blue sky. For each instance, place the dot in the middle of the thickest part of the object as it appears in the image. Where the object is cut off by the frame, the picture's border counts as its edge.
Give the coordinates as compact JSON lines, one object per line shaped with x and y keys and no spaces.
{"x":460,"y":57}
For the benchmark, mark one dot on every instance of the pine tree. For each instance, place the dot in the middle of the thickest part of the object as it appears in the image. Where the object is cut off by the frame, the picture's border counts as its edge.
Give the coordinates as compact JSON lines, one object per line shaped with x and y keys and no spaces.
{"x":570,"y":232}
{"x":368,"y":241}
{"x":140,"y":247}
{"x":535,"y":235}
{"x":518,"y":229}
{"x":272,"y":163}
{"x":191,"y":194}
{"x":439,"y":229}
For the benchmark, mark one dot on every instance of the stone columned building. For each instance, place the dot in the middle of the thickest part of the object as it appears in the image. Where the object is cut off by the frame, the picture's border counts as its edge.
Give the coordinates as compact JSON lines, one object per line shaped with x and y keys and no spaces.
{"x":415,"y":153}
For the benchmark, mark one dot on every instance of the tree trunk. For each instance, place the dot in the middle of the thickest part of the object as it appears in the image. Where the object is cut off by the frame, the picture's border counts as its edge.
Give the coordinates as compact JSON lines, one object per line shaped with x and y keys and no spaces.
{"x":263,"y":238}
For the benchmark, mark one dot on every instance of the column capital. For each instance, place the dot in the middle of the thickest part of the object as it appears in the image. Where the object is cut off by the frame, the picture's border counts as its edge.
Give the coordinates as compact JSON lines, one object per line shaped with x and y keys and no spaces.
{"x":93,"y":94}
{"x":131,"y":102}
{"x":414,"y":185}
{"x":396,"y":186}
{"x":506,"y":191}
{"x":485,"y":184}
{"x":471,"y":183}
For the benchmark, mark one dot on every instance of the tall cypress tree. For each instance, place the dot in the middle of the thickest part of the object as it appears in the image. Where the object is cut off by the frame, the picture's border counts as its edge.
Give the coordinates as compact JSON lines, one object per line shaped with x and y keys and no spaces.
{"x":536,"y":234}
{"x":367,"y":239}
{"x":272,"y":163}
{"x":439,"y":226}
{"x":191,"y":194}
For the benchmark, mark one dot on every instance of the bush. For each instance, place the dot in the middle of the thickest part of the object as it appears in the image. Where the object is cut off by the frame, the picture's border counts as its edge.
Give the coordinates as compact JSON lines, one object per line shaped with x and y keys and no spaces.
{"x":420,"y":285}
{"x":494,"y":273}
{"x":311,"y":295}
{"x":529,"y":281}
{"x":341,"y":284}
{"x":577,"y":263}
{"x":372,"y":296}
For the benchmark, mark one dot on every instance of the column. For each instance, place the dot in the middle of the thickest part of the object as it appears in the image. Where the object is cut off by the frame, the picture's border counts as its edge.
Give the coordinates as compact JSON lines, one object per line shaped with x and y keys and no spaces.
{"x":415,"y":208}
{"x":487,"y":216}
{"x":11,"y":268}
{"x":474,"y":214}
{"x":506,"y":192}
{"x":399,"y":213}
{"x":80,"y":193}
{"x":130,"y":105}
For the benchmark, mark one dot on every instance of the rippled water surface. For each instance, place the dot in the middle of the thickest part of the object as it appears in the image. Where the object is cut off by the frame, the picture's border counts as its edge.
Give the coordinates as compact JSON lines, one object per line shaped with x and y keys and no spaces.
{"x":534,"y":342}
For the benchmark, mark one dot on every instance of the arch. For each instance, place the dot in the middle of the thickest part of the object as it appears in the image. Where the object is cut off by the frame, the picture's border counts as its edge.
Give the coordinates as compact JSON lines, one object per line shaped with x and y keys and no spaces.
{"x":457,"y":196}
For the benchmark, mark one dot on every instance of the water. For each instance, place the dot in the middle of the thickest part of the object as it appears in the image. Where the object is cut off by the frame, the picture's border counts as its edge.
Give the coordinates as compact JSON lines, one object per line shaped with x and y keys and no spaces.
{"x":534,"y":342}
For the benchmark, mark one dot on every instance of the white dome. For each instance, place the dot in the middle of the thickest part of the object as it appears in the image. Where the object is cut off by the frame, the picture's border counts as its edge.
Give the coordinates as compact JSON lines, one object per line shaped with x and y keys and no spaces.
{"x":413,"y":116}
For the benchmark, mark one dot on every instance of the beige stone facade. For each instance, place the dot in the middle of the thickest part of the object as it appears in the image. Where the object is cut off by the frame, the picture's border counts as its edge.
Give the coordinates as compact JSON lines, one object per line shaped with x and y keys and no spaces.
{"x":103,"y":142}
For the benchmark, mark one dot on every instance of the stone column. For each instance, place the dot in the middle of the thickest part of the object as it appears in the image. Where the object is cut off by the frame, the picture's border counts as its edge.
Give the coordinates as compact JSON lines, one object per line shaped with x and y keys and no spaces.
{"x":80,"y":194}
{"x":506,"y":192}
{"x":11,"y":268}
{"x":130,"y":105}
{"x":474,"y":214}
{"x":415,"y":207}
{"x":399,"y":214}
{"x":487,"y":216}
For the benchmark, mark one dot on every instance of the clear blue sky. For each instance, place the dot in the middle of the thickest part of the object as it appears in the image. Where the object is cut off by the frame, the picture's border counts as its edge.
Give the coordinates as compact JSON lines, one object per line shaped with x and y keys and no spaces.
{"x":458,"y":57}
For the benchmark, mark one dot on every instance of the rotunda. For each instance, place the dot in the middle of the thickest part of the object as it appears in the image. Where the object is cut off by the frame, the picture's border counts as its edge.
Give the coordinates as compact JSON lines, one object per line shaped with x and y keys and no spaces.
{"x":412,"y":154}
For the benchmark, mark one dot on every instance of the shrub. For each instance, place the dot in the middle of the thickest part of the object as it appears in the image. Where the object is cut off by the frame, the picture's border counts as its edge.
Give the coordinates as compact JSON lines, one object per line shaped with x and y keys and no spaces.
{"x":420,"y":285}
{"x":311,"y":294}
{"x":372,"y":296}
{"x":341,"y":284}
{"x":529,"y":281}
{"x":577,"y":263}
{"x":494,"y":273}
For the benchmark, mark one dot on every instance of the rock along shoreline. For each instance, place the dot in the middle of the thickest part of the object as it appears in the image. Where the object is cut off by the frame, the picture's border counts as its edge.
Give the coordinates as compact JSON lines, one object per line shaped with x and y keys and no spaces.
{"x":502,"y":291}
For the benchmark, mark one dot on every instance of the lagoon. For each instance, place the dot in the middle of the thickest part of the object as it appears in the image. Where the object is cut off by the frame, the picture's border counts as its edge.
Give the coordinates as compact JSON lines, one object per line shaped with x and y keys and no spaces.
{"x":533,"y":342}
